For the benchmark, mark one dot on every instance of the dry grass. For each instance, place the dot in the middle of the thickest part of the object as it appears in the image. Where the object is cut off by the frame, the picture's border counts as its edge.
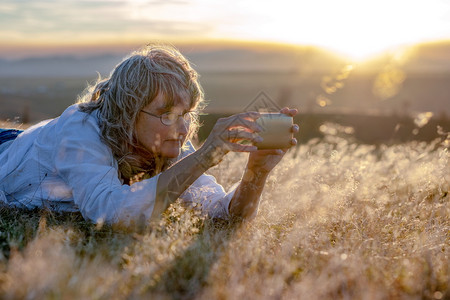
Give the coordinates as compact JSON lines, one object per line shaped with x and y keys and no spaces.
{"x":12,"y":124}
{"x":338,"y":220}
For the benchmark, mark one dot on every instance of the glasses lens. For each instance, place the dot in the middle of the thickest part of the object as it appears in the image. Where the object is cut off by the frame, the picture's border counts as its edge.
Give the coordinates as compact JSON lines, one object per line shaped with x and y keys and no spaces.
{"x":171,"y":118}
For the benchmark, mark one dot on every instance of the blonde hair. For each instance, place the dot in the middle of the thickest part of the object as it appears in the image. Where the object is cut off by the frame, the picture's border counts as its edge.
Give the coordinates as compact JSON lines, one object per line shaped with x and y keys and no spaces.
{"x":133,"y":84}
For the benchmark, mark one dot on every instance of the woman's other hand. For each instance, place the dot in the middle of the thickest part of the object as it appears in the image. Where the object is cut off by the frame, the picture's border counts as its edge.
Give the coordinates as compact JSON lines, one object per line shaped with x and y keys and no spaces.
{"x":226,"y":135}
{"x":263,"y":161}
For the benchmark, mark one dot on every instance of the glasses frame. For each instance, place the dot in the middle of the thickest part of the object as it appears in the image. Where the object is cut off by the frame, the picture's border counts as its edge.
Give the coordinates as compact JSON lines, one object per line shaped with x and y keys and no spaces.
{"x":161,"y":117}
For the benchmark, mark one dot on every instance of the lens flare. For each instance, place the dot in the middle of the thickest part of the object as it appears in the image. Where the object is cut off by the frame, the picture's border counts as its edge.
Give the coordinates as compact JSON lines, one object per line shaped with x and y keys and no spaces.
{"x":422,"y":119}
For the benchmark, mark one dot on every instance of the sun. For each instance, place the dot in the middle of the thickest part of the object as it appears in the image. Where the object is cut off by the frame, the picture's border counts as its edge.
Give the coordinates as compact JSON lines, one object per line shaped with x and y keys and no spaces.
{"x":356,"y":29}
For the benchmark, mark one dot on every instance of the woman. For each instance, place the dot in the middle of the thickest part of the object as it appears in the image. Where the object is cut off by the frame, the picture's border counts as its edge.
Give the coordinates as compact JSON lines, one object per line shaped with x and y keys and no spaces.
{"x":123,"y":153}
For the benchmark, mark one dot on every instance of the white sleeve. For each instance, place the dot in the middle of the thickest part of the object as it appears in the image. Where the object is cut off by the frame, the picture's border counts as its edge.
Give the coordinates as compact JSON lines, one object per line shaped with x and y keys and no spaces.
{"x":87,"y":166}
{"x":208,"y":194}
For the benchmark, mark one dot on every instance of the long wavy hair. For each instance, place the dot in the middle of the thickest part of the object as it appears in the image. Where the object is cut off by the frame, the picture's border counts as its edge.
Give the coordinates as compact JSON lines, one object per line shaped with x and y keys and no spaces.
{"x":132,"y":85}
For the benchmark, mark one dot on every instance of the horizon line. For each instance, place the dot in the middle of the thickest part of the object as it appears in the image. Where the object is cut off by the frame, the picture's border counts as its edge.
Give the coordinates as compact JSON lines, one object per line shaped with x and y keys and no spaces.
{"x":17,"y":51}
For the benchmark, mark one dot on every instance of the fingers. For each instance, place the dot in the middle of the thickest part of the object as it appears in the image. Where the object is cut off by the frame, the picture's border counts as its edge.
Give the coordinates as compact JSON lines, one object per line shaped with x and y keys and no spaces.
{"x":235,"y":135}
{"x":241,"y":148}
{"x":295,"y":128}
{"x":246,"y":120}
{"x":251,"y":115}
{"x":236,"y":128}
{"x":290,"y":112}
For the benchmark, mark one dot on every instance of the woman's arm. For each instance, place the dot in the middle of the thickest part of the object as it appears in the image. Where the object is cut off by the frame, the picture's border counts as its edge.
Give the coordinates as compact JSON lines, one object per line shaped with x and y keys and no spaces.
{"x":175,"y":180}
{"x":245,"y":201}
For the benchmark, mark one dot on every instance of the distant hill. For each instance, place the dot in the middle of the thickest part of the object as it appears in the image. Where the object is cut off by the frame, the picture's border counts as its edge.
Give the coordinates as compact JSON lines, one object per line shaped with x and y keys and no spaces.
{"x":230,"y":59}
{"x":431,"y":57}
{"x":262,"y":59}
{"x":53,"y":66}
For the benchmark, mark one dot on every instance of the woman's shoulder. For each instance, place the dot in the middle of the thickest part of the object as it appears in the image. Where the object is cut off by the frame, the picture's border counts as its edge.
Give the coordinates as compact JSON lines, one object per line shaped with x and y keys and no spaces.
{"x":71,"y":125}
{"x":71,"y":120}
{"x":73,"y":114}
{"x":74,"y":121}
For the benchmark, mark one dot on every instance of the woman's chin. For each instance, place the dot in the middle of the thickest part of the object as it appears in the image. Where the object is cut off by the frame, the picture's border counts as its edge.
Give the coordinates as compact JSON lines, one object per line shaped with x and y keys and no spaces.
{"x":171,"y":153}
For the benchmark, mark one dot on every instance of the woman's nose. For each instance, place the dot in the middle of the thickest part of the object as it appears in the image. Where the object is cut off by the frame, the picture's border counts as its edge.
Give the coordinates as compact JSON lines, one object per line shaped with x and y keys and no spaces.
{"x":183,"y":126}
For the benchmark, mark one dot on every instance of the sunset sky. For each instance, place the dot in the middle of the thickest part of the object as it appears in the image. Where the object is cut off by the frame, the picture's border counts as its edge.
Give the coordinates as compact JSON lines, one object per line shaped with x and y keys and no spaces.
{"x":351,"y":27}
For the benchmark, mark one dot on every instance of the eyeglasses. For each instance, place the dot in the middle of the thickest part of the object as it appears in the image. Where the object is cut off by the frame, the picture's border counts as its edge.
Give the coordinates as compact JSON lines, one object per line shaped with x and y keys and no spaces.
{"x":170,"y":118}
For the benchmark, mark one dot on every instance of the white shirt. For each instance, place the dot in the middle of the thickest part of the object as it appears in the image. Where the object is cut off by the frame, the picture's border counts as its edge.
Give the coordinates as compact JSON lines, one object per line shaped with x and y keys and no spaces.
{"x":62,"y":164}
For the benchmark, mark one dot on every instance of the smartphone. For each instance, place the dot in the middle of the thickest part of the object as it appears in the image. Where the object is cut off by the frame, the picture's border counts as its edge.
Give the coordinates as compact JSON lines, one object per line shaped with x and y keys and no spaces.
{"x":276,"y":131}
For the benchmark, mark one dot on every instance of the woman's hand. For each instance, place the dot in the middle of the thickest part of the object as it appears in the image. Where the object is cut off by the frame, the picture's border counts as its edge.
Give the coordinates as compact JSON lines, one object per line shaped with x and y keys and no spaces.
{"x":226,"y":134}
{"x":263,"y":161}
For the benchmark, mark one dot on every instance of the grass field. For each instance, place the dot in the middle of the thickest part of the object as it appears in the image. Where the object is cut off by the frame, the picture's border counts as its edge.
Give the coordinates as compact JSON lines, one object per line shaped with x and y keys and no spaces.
{"x":337,"y":220}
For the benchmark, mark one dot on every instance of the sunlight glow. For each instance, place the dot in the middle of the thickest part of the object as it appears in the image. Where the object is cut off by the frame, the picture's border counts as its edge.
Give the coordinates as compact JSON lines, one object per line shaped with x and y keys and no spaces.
{"x":354,"y":28}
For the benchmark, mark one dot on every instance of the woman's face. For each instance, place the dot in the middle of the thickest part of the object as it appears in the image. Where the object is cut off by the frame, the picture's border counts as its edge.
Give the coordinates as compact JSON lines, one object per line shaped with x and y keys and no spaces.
{"x":162,"y":140}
